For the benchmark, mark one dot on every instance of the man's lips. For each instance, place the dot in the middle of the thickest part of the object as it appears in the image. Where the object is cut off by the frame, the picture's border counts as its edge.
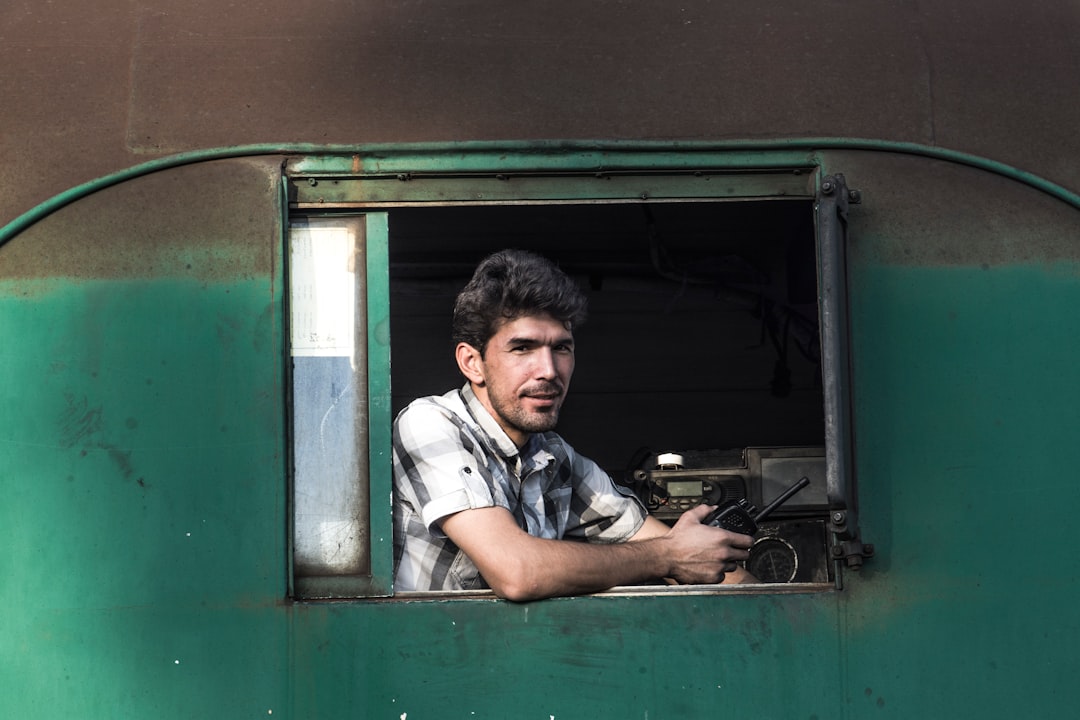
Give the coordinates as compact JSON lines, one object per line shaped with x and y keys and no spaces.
{"x":545,"y":395}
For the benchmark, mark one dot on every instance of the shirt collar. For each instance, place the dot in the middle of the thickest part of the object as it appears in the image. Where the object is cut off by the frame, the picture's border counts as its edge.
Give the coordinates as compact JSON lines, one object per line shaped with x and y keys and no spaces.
{"x":488,"y":424}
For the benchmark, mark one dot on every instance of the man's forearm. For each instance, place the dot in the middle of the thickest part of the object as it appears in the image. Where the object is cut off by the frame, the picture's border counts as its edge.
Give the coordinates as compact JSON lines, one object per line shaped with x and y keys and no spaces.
{"x":520,"y":567}
{"x":550,"y":568}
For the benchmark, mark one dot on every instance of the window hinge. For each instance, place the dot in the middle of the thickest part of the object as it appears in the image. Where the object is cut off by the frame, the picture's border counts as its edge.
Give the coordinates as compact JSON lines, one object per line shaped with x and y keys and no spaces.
{"x":847,"y":547}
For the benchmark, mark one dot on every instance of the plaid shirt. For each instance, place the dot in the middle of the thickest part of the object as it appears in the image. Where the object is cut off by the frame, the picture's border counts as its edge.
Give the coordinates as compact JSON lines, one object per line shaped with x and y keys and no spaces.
{"x":451,"y":455}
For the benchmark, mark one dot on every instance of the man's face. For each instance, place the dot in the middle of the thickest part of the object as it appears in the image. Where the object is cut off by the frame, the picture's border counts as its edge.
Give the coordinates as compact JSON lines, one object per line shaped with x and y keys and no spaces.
{"x":525,"y":373}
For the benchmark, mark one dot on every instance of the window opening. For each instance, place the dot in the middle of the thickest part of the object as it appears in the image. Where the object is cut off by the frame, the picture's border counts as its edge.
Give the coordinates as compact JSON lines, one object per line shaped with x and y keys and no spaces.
{"x":704,"y":372}
{"x":702,"y":343}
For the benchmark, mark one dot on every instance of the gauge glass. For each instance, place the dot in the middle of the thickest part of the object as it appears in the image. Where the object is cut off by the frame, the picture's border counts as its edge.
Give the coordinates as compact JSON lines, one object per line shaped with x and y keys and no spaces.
{"x":773,"y":560}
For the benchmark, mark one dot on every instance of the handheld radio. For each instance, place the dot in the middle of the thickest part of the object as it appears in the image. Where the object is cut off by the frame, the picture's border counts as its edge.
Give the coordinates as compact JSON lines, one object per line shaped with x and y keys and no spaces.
{"x":742,"y":517}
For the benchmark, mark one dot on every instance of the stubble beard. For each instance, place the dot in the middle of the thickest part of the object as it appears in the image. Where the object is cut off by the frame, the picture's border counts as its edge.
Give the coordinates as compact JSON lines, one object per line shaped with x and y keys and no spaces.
{"x":513,"y":414}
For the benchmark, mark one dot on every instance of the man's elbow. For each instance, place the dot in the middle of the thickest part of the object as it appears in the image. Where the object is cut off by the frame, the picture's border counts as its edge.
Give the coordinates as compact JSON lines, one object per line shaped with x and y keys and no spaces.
{"x":517,"y":584}
{"x":518,"y":593}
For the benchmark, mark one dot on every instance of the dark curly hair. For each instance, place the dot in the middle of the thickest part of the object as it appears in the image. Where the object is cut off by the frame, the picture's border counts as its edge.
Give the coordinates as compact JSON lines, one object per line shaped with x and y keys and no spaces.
{"x":510,"y":284}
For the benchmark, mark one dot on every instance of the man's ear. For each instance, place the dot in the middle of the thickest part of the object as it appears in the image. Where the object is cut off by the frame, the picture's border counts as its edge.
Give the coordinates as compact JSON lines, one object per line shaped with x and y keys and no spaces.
{"x":470,"y":362}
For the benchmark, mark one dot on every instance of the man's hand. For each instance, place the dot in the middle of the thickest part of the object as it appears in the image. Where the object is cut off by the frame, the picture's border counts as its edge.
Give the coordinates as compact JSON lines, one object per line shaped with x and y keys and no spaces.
{"x":704,"y":554}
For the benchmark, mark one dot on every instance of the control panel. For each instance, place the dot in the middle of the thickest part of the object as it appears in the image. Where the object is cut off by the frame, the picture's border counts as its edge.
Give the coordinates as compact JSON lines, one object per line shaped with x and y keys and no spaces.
{"x":792,"y":545}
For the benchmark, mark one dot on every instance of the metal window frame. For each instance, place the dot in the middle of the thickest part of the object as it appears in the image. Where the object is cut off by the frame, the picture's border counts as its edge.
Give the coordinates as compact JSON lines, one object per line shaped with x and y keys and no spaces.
{"x":376,"y":185}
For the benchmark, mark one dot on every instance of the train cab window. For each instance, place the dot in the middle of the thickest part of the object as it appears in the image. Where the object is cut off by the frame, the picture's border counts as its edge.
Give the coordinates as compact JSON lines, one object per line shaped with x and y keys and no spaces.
{"x":712,"y":366}
{"x":329,"y":399}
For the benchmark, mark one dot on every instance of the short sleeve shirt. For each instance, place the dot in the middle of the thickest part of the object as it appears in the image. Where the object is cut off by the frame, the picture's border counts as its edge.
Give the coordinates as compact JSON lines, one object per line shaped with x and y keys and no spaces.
{"x":451,"y":455}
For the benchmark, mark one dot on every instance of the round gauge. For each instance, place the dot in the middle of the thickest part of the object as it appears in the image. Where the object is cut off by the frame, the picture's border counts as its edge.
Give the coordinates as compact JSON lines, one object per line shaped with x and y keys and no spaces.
{"x":772,"y":560}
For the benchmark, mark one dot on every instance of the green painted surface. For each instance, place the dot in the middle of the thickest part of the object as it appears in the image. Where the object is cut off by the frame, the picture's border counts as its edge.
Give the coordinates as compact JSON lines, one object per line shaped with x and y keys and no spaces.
{"x":142,"y":426}
{"x":967,"y":407}
{"x":510,"y":187}
{"x":380,"y":417}
{"x":141,"y":468}
{"x":584,"y":657}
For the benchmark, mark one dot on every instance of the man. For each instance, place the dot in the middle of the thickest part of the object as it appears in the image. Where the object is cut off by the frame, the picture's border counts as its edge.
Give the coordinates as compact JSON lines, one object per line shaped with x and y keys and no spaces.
{"x":487,"y":495}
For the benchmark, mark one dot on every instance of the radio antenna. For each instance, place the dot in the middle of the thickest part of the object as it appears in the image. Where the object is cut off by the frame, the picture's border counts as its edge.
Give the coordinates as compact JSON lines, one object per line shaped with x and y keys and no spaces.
{"x":784,"y":497}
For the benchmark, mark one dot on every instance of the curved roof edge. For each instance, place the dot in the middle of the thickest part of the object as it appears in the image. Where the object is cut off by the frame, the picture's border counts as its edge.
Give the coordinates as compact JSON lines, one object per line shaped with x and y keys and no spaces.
{"x":804,"y":145}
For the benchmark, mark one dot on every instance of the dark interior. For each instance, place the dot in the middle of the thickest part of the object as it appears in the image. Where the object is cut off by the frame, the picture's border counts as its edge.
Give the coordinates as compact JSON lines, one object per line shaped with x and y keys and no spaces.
{"x":702,"y":330}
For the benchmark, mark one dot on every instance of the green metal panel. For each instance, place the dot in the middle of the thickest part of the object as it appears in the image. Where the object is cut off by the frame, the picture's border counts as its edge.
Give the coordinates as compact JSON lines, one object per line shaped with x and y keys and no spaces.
{"x":508,"y":187}
{"x":141,"y":466}
{"x":379,"y":408}
{"x":964,"y":289}
{"x":570,"y":658}
{"x":540,"y":157}
{"x":968,"y":410}
{"x":141,"y":441}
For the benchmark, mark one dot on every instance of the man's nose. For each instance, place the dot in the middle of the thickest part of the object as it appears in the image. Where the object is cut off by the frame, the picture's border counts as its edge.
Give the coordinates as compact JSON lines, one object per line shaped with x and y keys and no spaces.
{"x":544,"y":363}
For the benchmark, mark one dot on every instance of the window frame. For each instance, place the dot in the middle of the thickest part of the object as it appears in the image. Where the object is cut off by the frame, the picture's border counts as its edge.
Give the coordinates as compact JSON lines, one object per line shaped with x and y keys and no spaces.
{"x":373,"y":187}
{"x":378,"y":580}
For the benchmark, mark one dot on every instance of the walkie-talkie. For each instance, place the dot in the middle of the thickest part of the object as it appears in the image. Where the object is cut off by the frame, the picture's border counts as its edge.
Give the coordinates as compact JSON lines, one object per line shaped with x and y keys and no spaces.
{"x":738,"y":515}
